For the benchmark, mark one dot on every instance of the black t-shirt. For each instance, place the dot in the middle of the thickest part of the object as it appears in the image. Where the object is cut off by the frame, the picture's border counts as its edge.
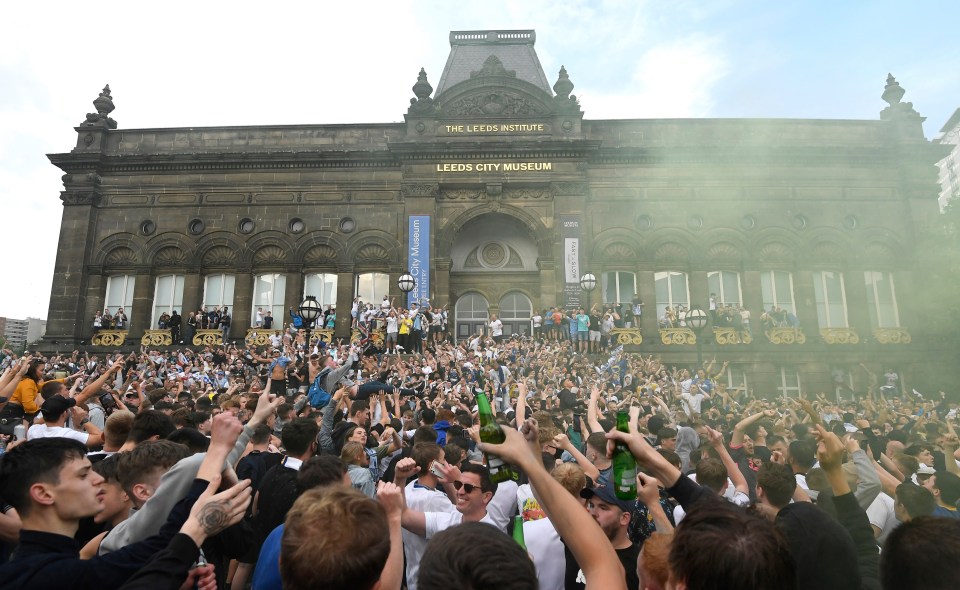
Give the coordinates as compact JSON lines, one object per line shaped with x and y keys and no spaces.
{"x":567,"y":398}
{"x":267,"y":322}
{"x":278,"y":491}
{"x":628,"y":557}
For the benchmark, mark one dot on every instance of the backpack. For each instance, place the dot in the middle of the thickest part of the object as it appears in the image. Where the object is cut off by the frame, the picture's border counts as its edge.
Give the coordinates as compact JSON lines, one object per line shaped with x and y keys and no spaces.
{"x":316,"y":395}
{"x":11,"y":415}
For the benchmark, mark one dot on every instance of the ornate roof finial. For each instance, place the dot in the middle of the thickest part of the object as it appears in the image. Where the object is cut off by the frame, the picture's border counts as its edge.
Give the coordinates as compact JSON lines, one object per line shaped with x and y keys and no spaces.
{"x":104,"y":106}
{"x":422,"y":88}
{"x":563,"y":86}
{"x":892,"y":92}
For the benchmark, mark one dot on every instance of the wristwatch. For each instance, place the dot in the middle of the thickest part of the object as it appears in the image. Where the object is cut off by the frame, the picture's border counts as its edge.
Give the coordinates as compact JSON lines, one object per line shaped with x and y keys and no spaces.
{"x":84,"y":421}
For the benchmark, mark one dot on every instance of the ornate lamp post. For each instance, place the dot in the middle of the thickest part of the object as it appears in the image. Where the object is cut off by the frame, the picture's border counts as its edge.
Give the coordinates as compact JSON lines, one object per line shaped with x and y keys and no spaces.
{"x":588,"y":282}
{"x":696,"y":320}
{"x":309,"y":311}
{"x":406,"y":283}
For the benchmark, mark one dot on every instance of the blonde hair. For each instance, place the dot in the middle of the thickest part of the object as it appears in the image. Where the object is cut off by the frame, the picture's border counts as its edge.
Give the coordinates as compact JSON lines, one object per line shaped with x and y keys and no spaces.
{"x":351,"y":453}
{"x":571,"y":477}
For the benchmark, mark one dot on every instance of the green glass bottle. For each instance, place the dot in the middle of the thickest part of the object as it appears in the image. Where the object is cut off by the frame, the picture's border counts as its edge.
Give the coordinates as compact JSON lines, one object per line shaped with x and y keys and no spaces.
{"x":490,"y":433}
{"x":624,"y":465}
{"x":518,"y":532}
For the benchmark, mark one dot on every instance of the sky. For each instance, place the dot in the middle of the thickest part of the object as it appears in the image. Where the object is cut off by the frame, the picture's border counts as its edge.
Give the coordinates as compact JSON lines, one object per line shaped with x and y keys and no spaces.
{"x":209,"y":63}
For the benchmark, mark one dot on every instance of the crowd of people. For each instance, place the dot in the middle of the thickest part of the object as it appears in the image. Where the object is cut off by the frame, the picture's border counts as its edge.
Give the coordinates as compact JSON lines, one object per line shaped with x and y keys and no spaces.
{"x":355,"y":467}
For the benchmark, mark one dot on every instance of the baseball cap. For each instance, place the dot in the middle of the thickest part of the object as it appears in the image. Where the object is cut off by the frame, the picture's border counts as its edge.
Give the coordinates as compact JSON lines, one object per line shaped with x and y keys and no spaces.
{"x":606,"y":494}
{"x":54,"y":407}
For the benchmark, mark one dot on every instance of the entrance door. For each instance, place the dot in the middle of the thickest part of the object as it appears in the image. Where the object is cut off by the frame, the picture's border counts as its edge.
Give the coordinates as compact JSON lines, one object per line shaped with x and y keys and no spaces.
{"x":470,"y":315}
{"x":515,"y":313}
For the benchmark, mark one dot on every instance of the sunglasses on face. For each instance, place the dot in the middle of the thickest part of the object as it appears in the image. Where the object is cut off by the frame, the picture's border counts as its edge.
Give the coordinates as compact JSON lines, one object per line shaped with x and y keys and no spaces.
{"x":466,"y":486}
{"x":131,"y":396}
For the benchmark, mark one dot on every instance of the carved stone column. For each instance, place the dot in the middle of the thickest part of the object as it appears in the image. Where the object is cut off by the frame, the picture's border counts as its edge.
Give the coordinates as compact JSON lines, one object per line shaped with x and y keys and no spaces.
{"x":345,"y":283}
{"x":142,"y":313}
{"x":242,"y":311}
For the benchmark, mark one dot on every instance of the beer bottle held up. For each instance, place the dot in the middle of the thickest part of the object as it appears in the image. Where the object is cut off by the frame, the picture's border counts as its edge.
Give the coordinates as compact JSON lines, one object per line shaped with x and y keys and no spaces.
{"x":518,"y":532}
{"x":624,"y":465}
{"x":490,"y":433}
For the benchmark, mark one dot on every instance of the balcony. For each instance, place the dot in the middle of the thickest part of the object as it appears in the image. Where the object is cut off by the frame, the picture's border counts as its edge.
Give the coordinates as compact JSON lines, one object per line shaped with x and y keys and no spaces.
{"x":786,"y":336}
{"x":257,"y":337}
{"x":208,"y":338}
{"x":677,"y":336}
{"x":109,"y":338}
{"x":627,"y":336}
{"x":156,"y":338}
{"x":892,"y":336}
{"x":840,"y":335}
{"x":725,"y":336}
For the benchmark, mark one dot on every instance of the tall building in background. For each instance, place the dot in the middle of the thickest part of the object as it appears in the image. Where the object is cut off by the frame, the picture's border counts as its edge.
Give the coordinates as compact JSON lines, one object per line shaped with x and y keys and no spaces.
{"x":499,"y":195}
{"x":950,"y":165}
{"x":20,"y":333}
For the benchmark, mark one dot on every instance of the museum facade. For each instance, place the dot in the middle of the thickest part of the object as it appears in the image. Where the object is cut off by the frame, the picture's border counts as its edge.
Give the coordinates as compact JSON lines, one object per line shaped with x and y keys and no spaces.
{"x":498,"y":195}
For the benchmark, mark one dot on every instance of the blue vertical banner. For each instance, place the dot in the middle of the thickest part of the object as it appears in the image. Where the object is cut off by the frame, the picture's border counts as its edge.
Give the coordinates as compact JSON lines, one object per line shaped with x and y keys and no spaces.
{"x":418,"y":258}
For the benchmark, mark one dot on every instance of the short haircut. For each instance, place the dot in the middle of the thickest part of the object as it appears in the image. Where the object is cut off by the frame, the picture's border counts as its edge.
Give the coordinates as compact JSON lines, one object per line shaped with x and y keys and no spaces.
{"x":598,"y":442}
{"x":462,"y":556}
{"x":665,"y":433}
{"x":349,"y":556}
{"x":922,"y":553}
{"x":320,"y":471}
{"x":298,"y":435}
{"x":949,"y":485}
{"x":359,"y":405}
{"x":916,"y":500}
{"x":718,"y":545}
{"x":148,"y":458}
{"x":51,"y":388}
{"x":656,"y":556}
{"x":149,"y":424}
{"x":117,"y":428}
{"x":486,"y":484}
{"x":454,"y":454}
{"x":571,"y":477}
{"x":191,"y":438}
{"x":773,"y":439}
{"x":670,"y":456}
{"x":712,"y":474}
{"x":778,"y":483}
{"x":35,"y":461}
{"x":424,"y":454}
{"x":908,"y":465}
{"x":803,"y":453}
{"x":261,"y":434}
{"x":424,"y":434}
{"x":107,"y":469}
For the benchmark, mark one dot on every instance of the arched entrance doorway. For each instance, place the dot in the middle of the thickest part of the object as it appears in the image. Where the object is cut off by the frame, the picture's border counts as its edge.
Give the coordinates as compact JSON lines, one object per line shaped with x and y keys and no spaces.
{"x":470,"y":315}
{"x":515,"y":313}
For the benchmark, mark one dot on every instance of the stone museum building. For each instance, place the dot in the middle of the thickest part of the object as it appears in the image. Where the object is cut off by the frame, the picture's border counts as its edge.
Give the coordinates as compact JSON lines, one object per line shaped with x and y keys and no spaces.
{"x":499,"y":195}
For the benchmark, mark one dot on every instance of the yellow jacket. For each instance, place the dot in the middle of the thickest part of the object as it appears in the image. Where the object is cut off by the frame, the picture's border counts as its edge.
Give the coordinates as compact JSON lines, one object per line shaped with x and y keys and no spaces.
{"x":28,"y":394}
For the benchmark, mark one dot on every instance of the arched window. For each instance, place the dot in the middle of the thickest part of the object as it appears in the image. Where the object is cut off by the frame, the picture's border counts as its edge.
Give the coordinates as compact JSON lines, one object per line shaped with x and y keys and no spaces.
{"x":726,"y":286}
{"x":831,"y":299}
{"x":882,"y":299}
{"x":119,"y":293}
{"x":515,"y":313}
{"x":619,"y":287}
{"x":372,"y":286}
{"x":672,"y":290}
{"x":776,"y":286}
{"x":323,"y":286}
{"x":268,"y":293}
{"x":218,"y":291}
{"x":471,"y":314}
{"x":167,"y":297}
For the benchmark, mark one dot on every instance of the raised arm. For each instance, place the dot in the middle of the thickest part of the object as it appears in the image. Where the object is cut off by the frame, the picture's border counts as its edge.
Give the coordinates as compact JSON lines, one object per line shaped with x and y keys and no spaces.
{"x":738,"y":431}
{"x":97,"y":385}
{"x":592,"y":420}
{"x":733,"y":470}
{"x":561,"y":441}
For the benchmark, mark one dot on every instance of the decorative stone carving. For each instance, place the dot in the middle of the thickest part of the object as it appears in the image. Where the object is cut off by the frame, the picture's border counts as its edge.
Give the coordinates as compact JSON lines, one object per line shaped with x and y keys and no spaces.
{"x":620,"y":252}
{"x":494,"y":254}
{"x":627,"y":336}
{"x":420,"y":190}
{"x":422,"y":104}
{"x":461,"y":194}
{"x":879,"y":251}
{"x":840,"y":335}
{"x":723,"y":251}
{"x":220,"y":256}
{"x":677,"y":336}
{"x":566,"y":102}
{"x":156,"y":338}
{"x":80,"y":198}
{"x":670,"y":251}
{"x":372,"y":253}
{"x":376,"y":337}
{"x":563,"y":86}
{"x":775,"y":251}
{"x":170,"y":257}
{"x":786,"y":336}
{"x":320,"y":254}
{"x":208,"y":338}
{"x":892,"y":93}
{"x":257,"y":337}
{"x":892,"y":336}
{"x":104,"y":105}
{"x":499,"y":103}
{"x":121,"y":256}
{"x":827,"y":251}
{"x":109,"y":338}
{"x":492,"y":66}
{"x":527,"y":193}
{"x":724,"y":336}
{"x":269,"y":255}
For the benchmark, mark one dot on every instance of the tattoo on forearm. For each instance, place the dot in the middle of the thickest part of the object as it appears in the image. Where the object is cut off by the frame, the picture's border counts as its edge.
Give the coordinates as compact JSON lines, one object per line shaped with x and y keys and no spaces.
{"x":214,"y":517}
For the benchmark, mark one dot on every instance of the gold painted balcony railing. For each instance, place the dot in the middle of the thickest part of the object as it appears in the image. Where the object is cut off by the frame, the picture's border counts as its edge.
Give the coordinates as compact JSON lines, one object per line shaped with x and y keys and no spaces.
{"x":731,"y":336}
{"x":786,"y":336}
{"x":208,"y":338}
{"x":840,"y":335}
{"x":257,"y":337}
{"x":627,"y":336}
{"x":376,"y":336}
{"x":156,"y":338}
{"x":109,"y":338}
{"x":677,"y":336}
{"x":892,"y":336}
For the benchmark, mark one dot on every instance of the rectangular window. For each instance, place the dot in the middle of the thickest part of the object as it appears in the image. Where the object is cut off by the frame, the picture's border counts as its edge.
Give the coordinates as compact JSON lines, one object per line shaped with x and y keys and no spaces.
{"x":218,"y":291}
{"x":168,"y":296}
{"x":789,"y":382}
{"x":323,"y":286}
{"x":882,"y":300}
{"x":831,"y":299}
{"x":372,"y":286}
{"x":119,"y":294}
{"x":725,"y":285}
{"x":672,"y":290}
{"x":734,"y":378}
{"x":619,"y":287}
{"x":776,"y":288}
{"x":268,"y":293}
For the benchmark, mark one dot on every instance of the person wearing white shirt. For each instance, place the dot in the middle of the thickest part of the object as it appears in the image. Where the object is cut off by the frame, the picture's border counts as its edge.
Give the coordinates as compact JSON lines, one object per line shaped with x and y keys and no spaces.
{"x":425,"y":494}
{"x":883,"y":517}
{"x":55,"y":412}
{"x":496,"y":328}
